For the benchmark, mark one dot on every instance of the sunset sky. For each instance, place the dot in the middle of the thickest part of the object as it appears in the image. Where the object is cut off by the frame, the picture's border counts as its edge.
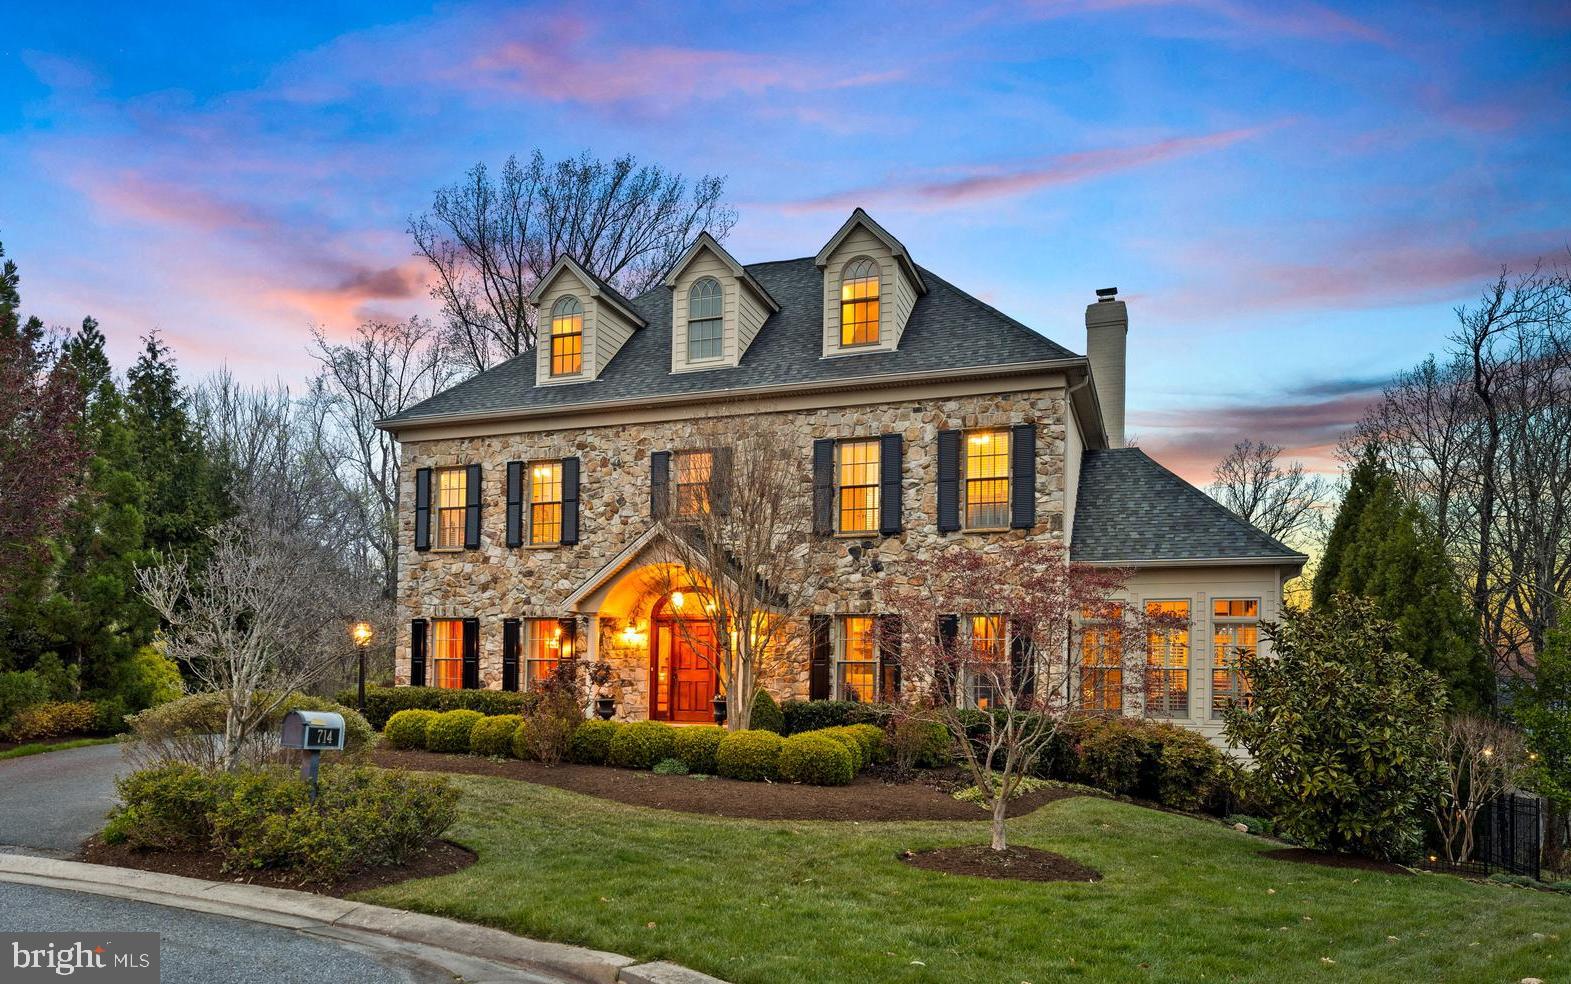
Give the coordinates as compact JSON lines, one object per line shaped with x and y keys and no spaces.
{"x":1291,"y":197}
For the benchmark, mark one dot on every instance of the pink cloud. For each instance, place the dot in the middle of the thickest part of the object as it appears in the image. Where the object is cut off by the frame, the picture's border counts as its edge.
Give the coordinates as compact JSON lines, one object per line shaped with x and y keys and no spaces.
{"x":1299,"y":20}
{"x":148,"y":200}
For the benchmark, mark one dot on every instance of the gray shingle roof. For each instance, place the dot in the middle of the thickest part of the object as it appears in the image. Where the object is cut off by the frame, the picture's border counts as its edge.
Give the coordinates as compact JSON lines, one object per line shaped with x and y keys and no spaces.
{"x":1129,"y":508}
{"x":948,"y":329}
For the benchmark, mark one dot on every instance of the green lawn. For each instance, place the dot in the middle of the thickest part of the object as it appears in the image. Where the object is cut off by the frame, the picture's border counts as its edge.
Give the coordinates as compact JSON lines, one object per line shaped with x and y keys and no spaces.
{"x":40,"y":747}
{"x":1182,"y":900}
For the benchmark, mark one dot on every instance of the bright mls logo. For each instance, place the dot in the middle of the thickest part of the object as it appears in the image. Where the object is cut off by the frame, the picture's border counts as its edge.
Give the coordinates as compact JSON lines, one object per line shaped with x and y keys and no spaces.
{"x":124,"y":958}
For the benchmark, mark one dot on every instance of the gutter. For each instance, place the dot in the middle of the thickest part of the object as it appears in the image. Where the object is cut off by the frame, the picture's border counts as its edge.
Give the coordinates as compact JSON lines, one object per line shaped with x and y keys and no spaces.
{"x":1283,"y":561}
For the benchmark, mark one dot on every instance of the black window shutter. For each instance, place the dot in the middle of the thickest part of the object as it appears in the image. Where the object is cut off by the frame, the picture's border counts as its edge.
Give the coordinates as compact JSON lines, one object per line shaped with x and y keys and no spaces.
{"x":660,"y":484}
{"x":515,"y":503}
{"x":1022,"y":453}
{"x":824,"y":486}
{"x":818,"y":671}
{"x":569,"y":500}
{"x":948,"y":481}
{"x":949,"y":657}
{"x":889,"y":629}
{"x":510,"y":627}
{"x":423,"y":509}
{"x":472,"y":508}
{"x":891,"y":469}
{"x":417,"y":646}
{"x":720,"y":480}
{"x":1022,"y":667}
{"x":471,"y":654}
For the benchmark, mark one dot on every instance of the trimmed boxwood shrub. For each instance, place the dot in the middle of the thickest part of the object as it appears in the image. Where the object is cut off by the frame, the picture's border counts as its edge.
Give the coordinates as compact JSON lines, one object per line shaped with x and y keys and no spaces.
{"x":182,"y":731}
{"x":871,"y":738}
{"x":1189,"y":769}
{"x":407,"y":729}
{"x":494,"y":735}
{"x":641,"y":744}
{"x":920,"y":743}
{"x":449,"y":732}
{"x":381,"y":703}
{"x":847,"y":739}
{"x":591,"y":742}
{"x":766,"y":714}
{"x":697,"y":746}
{"x":752,"y":756}
{"x":816,"y":715}
{"x":815,"y":759}
{"x":671,"y":767}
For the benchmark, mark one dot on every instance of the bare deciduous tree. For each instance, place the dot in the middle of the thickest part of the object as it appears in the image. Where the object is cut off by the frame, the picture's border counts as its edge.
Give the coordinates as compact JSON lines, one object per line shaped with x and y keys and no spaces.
{"x":1481,"y":758}
{"x":490,"y":240}
{"x":1285,"y":502}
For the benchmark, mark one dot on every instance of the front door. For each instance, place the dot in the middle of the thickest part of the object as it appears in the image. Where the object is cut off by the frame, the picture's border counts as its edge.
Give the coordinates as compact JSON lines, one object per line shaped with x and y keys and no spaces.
{"x":684,"y":679}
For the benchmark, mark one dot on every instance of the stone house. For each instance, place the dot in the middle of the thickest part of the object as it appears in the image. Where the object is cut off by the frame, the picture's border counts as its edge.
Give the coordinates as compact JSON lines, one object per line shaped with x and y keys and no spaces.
{"x":925,"y":417}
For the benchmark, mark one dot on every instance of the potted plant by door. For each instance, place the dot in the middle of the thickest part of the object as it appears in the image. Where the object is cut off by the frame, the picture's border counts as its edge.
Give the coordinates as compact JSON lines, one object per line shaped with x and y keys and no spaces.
{"x":720,"y":708}
{"x":597,"y":676}
{"x":605,"y":706}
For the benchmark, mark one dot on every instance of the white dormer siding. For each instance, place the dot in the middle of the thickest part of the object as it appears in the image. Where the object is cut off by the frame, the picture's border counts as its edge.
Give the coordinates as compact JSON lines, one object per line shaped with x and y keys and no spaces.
{"x":607,"y":325}
{"x":899,"y":283}
{"x":745,"y":306}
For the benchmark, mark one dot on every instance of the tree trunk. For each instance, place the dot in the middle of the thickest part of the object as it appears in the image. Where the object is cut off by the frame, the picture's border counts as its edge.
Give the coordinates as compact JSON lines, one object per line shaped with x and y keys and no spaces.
{"x":1000,"y":810}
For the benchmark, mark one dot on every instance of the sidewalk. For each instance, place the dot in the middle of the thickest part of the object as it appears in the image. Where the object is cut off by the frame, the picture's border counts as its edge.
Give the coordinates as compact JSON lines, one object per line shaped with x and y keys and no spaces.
{"x":469,"y":952}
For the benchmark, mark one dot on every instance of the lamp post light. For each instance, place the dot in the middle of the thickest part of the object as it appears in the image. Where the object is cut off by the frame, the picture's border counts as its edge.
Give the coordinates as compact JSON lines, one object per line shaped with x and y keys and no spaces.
{"x":361,"y":633}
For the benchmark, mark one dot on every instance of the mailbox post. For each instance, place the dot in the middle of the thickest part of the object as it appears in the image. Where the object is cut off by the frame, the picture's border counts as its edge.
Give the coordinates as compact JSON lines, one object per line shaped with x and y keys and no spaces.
{"x":313,"y":732}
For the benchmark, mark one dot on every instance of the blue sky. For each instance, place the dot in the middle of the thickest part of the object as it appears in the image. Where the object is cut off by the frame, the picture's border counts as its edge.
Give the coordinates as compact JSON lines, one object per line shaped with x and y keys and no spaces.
{"x":1292,"y":197}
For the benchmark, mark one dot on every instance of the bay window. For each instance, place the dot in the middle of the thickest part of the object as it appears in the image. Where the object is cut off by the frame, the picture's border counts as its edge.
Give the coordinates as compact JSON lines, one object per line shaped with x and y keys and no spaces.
{"x":1167,"y":659}
{"x":1102,"y":661}
{"x":1235,"y":630}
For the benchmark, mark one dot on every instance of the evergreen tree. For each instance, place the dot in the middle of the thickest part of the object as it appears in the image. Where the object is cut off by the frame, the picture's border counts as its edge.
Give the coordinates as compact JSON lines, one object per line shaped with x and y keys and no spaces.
{"x":1361,"y":483}
{"x":1543,"y":708}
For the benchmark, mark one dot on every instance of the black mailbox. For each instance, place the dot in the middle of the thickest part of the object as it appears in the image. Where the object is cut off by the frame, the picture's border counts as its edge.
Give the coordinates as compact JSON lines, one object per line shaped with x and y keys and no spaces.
{"x":313,"y":731}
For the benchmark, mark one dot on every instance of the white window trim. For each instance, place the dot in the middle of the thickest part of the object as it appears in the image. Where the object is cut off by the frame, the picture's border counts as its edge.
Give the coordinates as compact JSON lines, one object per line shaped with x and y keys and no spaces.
{"x":1190,"y":704}
{"x":841,"y":644}
{"x":965,"y":480}
{"x":530,"y":627}
{"x":877,"y":486}
{"x":1228,"y":620}
{"x":529,"y":503}
{"x":966,"y":685}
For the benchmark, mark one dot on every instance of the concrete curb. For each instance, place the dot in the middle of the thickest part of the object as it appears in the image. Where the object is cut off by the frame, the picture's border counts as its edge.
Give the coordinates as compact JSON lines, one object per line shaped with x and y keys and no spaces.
{"x":446,"y":943}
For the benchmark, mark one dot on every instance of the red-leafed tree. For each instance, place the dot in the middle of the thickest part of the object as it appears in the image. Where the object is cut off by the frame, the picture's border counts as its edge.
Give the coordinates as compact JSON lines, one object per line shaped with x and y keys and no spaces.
{"x":40,"y":453}
{"x":999,"y":632}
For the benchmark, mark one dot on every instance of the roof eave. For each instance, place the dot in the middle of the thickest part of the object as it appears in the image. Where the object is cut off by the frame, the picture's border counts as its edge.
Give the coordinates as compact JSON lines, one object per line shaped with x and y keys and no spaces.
{"x":1291,"y":560}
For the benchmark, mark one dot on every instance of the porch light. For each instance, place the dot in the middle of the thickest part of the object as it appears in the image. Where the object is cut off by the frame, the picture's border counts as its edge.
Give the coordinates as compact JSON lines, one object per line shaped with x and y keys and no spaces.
{"x":360,"y":632}
{"x":1489,"y":752}
{"x":677,"y":598}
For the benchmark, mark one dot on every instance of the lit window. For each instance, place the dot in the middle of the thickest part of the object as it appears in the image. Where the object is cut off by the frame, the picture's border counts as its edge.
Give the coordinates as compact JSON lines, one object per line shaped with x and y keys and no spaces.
{"x":1167,"y":660}
{"x":544,"y":647}
{"x":567,"y":337}
{"x":985,"y":661}
{"x":451,"y":500}
{"x":704,"y":331}
{"x":447,"y":653}
{"x":857,"y":677}
{"x":858,"y":486}
{"x":545,"y":502}
{"x":693,"y":469}
{"x":1235,"y":630}
{"x":859,"y":302}
{"x":1101,"y":660}
{"x":987,"y":479}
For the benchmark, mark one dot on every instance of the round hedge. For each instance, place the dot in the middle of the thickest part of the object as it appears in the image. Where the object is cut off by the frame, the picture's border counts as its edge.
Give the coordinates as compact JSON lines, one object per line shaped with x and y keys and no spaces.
{"x":591,"y":742}
{"x":752,"y":756}
{"x":641,"y":744}
{"x":407,"y":729}
{"x":767,"y":715}
{"x":847,"y":739}
{"x":493,"y":735}
{"x":450,"y":731}
{"x":816,"y":760}
{"x":697,"y":746}
{"x":872,"y":738}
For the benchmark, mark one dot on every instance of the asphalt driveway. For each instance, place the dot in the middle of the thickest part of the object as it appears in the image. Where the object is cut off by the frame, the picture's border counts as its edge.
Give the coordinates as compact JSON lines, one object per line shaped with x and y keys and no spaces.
{"x":51,"y":803}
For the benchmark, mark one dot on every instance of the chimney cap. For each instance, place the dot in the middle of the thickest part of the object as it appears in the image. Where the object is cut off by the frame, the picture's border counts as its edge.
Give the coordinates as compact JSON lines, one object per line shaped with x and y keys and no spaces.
{"x":1106,"y":293}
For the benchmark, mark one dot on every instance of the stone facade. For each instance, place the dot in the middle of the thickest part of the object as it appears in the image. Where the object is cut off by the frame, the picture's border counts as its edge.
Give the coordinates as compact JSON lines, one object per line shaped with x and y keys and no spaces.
{"x":496,"y":582}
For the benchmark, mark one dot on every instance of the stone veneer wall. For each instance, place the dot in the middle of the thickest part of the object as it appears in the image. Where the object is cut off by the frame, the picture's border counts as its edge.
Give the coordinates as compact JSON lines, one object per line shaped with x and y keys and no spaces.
{"x":497,"y":582}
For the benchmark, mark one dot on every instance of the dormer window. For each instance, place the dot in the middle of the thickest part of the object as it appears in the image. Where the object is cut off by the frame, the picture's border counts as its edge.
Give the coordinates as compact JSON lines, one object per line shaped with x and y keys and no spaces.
{"x":567,"y":337}
{"x":859,"y":302}
{"x":705,"y":324}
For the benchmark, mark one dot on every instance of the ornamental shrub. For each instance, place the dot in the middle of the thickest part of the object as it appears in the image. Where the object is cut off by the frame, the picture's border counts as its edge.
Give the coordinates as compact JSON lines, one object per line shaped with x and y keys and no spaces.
{"x":407,"y":729}
{"x":671,"y":767}
{"x":1342,"y":729}
{"x":816,"y":715}
{"x":1189,"y":769}
{"x":918,"y":742}
{"x":449,"y":731}
{"x":591,"y":742}
{"x":168,"y":807}
{"x":1118,"y":756}
{"x":494,"y":735}
{"x":816,"y":759}
{"x":147,"y":679}
{"x":382,"y":703}
{"x":697,"y":746}
{"x":766,"y":714}
{"x":551,"y":722}
{"x":871,"y":737}
{"x":181,"y":731}
{"x":109,"y":716}
{"x":19,"y":690}
{"x":53,"y":719}
{"x":752,"y":756}
{"x":846,"y":738}
{"x":641,"y":744}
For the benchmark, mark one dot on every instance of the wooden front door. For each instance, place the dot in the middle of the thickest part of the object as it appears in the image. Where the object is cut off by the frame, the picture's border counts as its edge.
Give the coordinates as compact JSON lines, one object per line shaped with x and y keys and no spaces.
{"x":683,"y":678}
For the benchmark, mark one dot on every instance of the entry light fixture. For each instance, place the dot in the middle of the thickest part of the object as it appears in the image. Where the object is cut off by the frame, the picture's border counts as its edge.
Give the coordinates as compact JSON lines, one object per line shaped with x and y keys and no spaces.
{"x":677,"y":599}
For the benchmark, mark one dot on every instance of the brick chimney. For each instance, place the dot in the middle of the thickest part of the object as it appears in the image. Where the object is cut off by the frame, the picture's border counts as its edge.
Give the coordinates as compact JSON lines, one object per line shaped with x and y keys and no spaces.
{"x":1107,"y":331}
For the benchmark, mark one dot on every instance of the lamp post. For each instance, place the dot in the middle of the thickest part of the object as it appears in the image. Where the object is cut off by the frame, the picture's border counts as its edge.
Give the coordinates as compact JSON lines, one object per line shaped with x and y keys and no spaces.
{"x":361,"y":633}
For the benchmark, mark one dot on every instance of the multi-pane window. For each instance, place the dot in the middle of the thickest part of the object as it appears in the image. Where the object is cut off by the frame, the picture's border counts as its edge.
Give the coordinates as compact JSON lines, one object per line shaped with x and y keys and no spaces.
{"x":567,"y":337}
{"x":857,"y":675}
{"x":857,"y":486}
{"x":542,"y":650}
{"x":987,"y":479}
{"x":1167,"y":659}
{"x":451,"y":499}
{"x":693,"y":470}
{"x":1102,"y":660}
{"x":1235,"y":630}
{"x":859,"y":302}
{"x":545,"y":502}
{"x":985,"y":658}
{"x":447,"y":653}
{"x":704,"y":320}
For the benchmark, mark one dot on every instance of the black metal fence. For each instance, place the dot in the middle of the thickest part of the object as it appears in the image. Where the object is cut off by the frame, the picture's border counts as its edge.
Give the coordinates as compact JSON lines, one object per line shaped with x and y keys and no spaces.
{"x":1507,"y":836}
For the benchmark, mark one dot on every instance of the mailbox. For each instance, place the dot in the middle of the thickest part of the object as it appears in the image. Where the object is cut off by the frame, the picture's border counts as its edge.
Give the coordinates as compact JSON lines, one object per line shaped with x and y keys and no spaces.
{"x":313,"y":731}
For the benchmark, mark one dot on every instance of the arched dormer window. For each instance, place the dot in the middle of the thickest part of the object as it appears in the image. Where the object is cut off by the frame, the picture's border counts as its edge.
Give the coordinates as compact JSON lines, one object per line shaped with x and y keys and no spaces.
{"x":859,"y":302}
{"x":705,"y":333}
{"x":567,"y":337}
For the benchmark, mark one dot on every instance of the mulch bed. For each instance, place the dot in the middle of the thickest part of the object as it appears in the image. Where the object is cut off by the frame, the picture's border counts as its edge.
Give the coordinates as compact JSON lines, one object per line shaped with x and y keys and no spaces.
{"x":1331,"y":859}
{"x":1016,"y":863}
{"x":866,"y":799}
{"x":440,"y":858}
